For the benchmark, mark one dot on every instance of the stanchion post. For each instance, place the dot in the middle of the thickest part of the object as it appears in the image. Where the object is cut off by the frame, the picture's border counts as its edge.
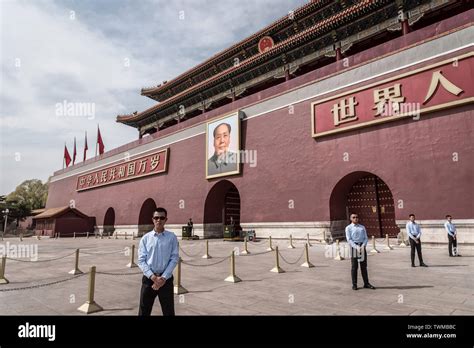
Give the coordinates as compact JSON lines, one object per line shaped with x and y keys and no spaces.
{"x":246,"y":250}
{"x":277,"y":268}
{"x":178,"y":288}
{"x":388,"y":246}
{"x":3,"y":280}
{"x":91,"y":306}
{"x":338,"y":252}
{"x":374,"y":249}
{"x":76,"y":269}
{"x":291,"y":246}
{"x":232,"y":277}
{"x":270,"y":247}
{"x":307,"y":263}
{"x":206,"y":255}
{"x":324,"y":238}
{"x":132,"y":263}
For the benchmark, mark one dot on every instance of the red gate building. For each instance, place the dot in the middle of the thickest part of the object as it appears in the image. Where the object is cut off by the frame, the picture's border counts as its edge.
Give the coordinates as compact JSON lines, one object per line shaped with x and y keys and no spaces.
{"x":337,"y":107}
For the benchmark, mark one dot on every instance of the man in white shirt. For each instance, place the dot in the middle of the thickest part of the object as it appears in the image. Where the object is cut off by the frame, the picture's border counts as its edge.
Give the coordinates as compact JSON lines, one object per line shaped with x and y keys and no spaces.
{"x":452,"y":237}
{"x":356,"y":236}
{"x":158,"y":255}
{"x":414,"y":234}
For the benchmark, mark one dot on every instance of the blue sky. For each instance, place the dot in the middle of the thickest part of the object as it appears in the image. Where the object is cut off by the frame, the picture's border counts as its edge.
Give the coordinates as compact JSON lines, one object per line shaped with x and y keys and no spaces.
{"x":100,"y":52}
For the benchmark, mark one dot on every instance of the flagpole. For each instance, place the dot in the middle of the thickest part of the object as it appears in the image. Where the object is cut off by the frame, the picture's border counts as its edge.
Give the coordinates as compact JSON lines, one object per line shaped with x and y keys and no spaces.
{"x":74,"y":153}
{"x":85,"y":148}
{"x":96,"y":140}
{"x":64,"y":159}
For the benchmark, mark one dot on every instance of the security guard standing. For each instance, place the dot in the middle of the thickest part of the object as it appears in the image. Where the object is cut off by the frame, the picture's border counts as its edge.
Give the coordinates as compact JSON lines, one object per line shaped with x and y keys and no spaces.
{"x":414,"y":233}
{"x":356,"y":236}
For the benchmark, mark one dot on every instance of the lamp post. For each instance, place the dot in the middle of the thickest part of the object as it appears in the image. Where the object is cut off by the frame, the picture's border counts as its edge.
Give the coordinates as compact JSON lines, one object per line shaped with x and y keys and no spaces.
{"x":6,"y":211}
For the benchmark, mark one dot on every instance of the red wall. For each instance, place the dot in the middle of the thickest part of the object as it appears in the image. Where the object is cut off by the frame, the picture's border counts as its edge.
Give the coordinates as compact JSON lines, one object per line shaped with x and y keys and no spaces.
{"x":414,"y":158}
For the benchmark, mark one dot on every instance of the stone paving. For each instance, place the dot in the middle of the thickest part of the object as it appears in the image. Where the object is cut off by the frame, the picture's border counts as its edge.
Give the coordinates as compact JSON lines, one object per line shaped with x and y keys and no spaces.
{"x":446,"y":287}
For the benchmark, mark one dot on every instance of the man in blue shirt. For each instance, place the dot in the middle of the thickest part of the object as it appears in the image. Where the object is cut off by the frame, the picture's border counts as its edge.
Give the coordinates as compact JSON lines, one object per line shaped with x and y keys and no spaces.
{"x":452,"y":240}
{"x":356,"y":236}
{"x":414,"y":234}
{"x":157,"y":257}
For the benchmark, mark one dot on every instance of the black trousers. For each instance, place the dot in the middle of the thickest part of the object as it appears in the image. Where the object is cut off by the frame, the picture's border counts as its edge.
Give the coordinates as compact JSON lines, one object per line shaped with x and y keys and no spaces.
{"x":416,"y":246}
{"x":148,"y":295}
{"x":355,"y":265}
{"x":452,"y":243}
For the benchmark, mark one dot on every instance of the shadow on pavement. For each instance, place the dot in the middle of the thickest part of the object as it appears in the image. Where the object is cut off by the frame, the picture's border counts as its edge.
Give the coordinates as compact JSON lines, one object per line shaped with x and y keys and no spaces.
{"x":117,"y":309}
{"x":404,"y":287}
{"x":446,"y":265}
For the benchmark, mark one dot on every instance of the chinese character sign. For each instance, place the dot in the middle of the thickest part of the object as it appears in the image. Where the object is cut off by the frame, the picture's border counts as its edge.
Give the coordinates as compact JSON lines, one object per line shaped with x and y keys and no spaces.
{"x":410,"y":94}
{"x":151,"y":164}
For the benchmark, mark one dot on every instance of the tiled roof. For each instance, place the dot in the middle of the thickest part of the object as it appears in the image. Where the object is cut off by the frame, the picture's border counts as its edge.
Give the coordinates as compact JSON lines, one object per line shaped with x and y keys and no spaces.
{"x":53,"y":212}
{"x":232,"y":49}
{"x":256,"y":58}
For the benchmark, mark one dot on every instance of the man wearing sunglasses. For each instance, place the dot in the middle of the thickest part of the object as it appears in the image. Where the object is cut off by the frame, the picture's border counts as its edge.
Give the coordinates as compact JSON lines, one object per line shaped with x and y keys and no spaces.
{"x":414,"y":234}
{"x":356,"y":236}
{"x":157,"y":257}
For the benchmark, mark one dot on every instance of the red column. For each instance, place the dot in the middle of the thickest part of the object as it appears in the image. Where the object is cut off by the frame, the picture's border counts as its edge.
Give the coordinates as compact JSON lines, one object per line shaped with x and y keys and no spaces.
{"x":405,"y":27}
{"x":338,"y":54}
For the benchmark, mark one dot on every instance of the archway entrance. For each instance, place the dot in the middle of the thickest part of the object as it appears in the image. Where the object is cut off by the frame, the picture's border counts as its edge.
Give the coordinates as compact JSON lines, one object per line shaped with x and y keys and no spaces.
{"x":109,"y":222}
{"x":368,"y":196}
{"x":145,"y":222}
{"x":222,"y":207}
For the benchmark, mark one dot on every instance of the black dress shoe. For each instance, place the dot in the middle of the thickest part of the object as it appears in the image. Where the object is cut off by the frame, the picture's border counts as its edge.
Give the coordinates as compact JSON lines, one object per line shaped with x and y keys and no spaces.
{"x":354,"y":287}
{"x":458,"y":255}
{"x":413,"y":265}
{"x":451,"y":255}
{"x":423,"y":265}
{"x":369,"y":286}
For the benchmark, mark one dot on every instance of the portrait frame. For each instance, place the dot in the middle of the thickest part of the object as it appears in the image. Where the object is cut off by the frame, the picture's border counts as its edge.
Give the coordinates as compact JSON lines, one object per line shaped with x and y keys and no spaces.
{"x":233,"y":119}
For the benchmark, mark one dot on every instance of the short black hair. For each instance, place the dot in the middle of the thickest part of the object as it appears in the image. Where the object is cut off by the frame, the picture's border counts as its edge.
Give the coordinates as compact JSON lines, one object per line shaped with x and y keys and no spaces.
{"x":161,"y":210}
{"x":448,"y":216}
{"x":411,"y":215}
{"x":220,"y":124}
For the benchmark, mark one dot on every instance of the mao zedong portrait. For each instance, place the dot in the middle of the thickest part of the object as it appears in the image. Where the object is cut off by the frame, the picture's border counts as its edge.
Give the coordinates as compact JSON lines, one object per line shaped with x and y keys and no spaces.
{"x":223,"y":160}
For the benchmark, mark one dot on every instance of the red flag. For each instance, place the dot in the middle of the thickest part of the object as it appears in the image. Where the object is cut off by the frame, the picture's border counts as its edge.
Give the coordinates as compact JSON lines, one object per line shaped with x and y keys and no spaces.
{"x":74,"y":152}
{"x":100,"y":142}
{"x":67,"y":158}
{"x":85,"y":147}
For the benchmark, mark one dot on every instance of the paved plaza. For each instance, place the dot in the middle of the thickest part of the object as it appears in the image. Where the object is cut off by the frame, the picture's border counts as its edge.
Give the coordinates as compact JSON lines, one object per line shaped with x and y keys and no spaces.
{"x":444,"y":288}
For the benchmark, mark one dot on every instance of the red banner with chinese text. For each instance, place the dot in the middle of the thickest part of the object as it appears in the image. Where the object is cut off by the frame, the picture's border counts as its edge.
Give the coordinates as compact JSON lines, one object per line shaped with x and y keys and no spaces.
{"x":433,"y":87}
{"x":151,"y":164}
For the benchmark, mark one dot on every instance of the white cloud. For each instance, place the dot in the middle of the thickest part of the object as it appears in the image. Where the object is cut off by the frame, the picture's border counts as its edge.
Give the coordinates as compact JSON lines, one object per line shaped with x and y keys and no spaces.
{"x":83,"y":60}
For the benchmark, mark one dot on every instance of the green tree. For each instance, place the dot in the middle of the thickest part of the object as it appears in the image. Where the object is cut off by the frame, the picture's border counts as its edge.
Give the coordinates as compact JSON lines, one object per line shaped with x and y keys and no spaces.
{"x":29,"y":195}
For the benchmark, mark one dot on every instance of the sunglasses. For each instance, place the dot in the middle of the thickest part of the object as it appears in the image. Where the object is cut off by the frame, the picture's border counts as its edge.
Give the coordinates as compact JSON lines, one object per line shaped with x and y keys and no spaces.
{"x":159,"y":217}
